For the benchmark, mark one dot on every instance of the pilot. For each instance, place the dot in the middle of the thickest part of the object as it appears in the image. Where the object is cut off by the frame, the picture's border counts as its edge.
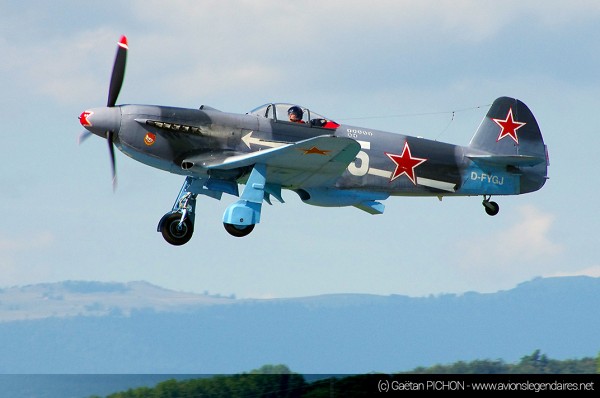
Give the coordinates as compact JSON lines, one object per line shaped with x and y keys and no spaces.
{"x":295,"y":114}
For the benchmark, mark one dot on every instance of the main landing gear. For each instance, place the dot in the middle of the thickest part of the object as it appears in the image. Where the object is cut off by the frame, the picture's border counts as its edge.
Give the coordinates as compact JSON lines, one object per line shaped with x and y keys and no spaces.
{"x":239,"y":219}
{"x":491,"y":208}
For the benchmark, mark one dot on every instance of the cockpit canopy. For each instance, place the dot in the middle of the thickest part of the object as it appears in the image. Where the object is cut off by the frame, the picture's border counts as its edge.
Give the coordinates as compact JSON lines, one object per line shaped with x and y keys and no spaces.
{"x":278,"y":112}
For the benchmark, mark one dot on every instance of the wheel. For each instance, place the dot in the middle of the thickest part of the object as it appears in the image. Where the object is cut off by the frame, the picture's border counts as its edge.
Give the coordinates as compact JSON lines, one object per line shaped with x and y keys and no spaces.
{"x":238,"y":231}
{"x":174,"y":233}
{"x":491,"y":208}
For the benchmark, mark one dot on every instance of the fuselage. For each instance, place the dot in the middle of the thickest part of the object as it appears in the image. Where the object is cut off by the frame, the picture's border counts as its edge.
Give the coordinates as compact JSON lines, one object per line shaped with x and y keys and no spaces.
{"x":181,"y":141}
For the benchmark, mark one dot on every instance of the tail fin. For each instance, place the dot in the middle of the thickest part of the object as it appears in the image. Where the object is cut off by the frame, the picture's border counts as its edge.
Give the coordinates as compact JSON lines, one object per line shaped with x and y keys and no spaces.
{"x":510,"y":135}
{"x":509,"y":128}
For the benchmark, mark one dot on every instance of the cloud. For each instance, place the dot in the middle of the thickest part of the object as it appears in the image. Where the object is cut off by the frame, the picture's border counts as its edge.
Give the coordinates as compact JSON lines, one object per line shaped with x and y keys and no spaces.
{"x":62,"y":70}
{"x":211,"y":46}
{"x":40,"y":240}
{"x":264,"y":23}
{"x":526,"y":240}
{"x":593,"y":271}
{"x":522,"y":250}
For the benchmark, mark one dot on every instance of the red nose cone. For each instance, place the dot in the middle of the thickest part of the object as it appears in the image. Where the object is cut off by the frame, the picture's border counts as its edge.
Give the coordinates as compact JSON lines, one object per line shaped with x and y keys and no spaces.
{"x":83,"y":118}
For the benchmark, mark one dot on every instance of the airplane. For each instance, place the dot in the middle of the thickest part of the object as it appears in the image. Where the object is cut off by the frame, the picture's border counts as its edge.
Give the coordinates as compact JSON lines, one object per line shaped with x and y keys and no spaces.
{"x":281,"y":146}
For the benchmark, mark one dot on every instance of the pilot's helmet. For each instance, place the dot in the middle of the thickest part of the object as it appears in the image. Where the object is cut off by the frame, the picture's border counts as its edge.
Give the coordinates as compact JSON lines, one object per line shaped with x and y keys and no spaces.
{"x":296,"y":111}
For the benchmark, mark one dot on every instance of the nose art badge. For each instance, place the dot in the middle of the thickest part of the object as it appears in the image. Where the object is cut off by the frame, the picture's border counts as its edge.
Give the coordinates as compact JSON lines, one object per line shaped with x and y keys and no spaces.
{"x":149,"y":139}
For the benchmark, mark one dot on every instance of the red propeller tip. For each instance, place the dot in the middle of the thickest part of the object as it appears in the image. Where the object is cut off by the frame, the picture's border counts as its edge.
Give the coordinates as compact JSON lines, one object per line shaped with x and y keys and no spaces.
{"x":123,"y":42}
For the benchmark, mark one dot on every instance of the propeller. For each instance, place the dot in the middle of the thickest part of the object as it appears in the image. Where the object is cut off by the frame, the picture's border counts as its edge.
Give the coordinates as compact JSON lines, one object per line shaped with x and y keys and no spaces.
{"x":113,"y":165}
{"x":118,"y":73}
{"x":116,"y":81}
{"x":83,"y":136}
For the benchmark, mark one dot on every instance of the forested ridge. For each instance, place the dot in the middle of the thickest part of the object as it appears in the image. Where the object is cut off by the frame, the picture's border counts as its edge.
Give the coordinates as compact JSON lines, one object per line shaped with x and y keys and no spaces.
{"x":278,"y":381}
{"x":93,"y":328}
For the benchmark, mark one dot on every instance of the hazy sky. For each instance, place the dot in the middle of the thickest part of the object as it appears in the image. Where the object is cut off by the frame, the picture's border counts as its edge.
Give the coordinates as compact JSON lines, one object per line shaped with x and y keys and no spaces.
{"x":400,"y":66}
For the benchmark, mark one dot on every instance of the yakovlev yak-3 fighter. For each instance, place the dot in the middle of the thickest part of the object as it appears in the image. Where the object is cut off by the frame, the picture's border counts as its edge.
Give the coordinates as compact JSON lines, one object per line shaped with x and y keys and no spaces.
{"x":284,"y":146}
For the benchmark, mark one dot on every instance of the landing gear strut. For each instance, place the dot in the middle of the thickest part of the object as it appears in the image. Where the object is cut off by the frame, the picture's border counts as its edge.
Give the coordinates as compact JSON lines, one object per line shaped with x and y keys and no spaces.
{"x":241,"y":217}
{"x":177,"y":226}
{"x":491,"y":208}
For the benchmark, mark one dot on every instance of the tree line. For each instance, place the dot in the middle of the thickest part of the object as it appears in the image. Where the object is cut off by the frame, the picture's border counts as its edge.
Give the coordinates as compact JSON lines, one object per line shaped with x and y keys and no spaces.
{"x":278,"y":381}
{"x":535,"y":363}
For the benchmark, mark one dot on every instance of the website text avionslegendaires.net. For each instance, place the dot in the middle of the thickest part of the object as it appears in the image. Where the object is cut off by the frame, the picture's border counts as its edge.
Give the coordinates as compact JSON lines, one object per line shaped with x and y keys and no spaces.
{"x":471,"y":383}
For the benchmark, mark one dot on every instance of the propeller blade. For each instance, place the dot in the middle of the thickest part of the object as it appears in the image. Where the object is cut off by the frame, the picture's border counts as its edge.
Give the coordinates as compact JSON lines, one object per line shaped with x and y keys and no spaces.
{"x":111,"y":150}
{"x":118,"y":73}
{"x":83,"y":136}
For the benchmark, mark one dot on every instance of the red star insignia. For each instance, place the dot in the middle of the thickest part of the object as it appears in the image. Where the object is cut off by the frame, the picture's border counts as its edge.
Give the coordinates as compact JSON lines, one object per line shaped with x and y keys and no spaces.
{"x":83,"y":118}
{"x":509,"y":127}
{"x":314,"y":150}
{"x":405,"y":164}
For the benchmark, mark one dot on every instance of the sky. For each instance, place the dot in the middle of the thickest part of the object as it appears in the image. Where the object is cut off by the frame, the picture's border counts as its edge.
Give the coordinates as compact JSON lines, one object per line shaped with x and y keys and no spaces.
{"x":426,"y":68}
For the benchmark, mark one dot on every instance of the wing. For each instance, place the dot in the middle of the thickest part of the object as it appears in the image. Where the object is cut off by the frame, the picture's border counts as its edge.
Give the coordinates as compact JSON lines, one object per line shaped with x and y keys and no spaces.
{"x":307,"y":163}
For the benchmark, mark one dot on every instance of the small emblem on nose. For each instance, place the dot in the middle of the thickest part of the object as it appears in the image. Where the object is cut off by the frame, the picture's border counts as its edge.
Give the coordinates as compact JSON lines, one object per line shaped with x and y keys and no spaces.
{"x":149,"y":139}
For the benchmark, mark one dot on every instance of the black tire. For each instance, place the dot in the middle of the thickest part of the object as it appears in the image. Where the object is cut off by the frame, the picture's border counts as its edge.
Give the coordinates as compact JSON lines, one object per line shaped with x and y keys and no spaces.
{"x":173,"y":233}
{"x":491,"y":208}
{"x":239,"y":231}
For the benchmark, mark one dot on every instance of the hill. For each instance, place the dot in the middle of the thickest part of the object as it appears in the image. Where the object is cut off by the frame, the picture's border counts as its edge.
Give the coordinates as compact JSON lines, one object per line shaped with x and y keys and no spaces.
{"x":89,"y":327}
{"x":78,"y":298}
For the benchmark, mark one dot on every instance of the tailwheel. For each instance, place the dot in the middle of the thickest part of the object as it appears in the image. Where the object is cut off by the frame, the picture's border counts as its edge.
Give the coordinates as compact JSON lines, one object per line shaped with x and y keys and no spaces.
{"x":491,"y":208}
{"x":239,"y":231}
{"x":174,"y":230}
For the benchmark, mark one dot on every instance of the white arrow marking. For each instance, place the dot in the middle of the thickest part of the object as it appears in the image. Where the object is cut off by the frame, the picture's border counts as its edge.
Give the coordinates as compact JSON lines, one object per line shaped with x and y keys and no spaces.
{"x":248,"y":140}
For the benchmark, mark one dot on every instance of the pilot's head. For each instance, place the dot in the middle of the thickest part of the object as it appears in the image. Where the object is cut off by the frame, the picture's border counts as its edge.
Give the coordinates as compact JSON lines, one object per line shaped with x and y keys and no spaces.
{"x":295,"y":114}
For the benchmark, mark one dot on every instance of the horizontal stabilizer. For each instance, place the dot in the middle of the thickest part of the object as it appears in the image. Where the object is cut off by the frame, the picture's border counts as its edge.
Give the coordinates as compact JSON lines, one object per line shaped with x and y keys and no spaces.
{"x":507,"y":160}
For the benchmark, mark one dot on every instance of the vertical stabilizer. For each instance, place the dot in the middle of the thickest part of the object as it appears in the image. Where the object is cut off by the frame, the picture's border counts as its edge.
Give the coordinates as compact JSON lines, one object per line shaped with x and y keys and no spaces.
{"x":509,"y":137}
{"x":509,"y":128}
